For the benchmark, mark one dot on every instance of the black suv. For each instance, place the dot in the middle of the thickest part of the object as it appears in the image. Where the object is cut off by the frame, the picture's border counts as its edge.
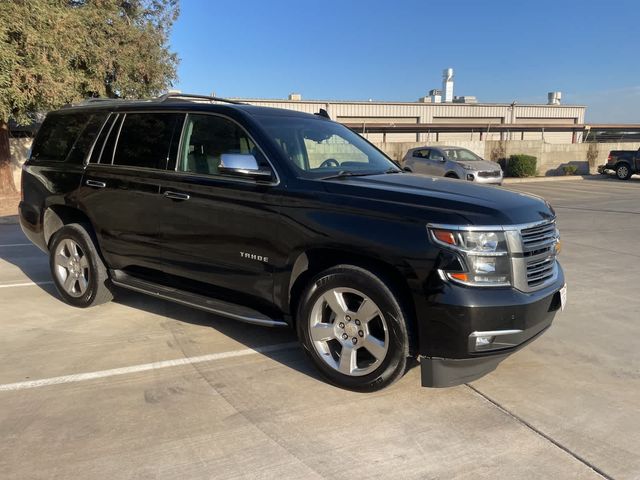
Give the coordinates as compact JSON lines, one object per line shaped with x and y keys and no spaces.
{"x":281,"y":218}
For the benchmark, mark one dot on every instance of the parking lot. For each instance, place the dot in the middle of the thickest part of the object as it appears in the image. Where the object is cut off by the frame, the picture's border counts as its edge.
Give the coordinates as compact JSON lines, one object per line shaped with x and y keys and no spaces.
{"x":143,"y":388}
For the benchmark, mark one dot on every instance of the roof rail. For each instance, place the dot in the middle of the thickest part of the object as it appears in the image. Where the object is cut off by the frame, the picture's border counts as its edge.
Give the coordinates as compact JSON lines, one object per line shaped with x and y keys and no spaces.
{"x":89,"y":101}
{"x":160,"y":99}
{"x":191,"y":96}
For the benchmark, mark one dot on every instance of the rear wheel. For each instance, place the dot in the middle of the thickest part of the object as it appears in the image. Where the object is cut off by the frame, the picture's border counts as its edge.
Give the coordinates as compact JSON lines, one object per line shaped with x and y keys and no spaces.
{"x":353,"y":328}
{"x":623,"y":172}
{"x":77,"y":269}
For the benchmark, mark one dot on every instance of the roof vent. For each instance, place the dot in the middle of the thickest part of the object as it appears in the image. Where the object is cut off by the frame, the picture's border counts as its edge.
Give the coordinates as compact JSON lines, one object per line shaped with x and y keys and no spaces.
{"x":554,"y":98}
{"x":296,"y":97}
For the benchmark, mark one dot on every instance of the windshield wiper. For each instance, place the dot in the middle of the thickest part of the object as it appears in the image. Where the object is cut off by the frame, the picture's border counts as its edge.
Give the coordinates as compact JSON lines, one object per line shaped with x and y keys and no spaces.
{"x":350,"y":173}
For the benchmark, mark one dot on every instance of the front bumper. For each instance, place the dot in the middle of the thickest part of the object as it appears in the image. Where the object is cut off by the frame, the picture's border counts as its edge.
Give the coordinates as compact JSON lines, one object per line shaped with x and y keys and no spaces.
{"x":458,"y":314}
{"x":483,"y":180}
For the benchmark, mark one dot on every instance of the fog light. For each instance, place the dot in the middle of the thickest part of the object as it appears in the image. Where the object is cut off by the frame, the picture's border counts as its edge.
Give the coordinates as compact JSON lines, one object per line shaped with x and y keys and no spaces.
{"x":483,"y":341}
{"x":470,"y":177}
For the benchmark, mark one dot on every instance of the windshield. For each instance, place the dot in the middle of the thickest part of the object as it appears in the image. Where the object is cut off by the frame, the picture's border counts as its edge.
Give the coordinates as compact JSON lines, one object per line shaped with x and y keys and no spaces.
{"x":461,"y":154}
{"x":319,"y":148}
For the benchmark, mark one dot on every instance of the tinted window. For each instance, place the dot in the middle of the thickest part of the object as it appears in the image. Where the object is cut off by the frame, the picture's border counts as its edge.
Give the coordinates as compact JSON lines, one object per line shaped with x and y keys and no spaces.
{"x":145,"y":139}
{"x":207,"y":138}
{"x":57,"y":135}
{"x":81,"y":148}
{"x":97,"y":148}
{"x":421,"y":153}
{"x":319,"y":148}
{"x":106,"y":153}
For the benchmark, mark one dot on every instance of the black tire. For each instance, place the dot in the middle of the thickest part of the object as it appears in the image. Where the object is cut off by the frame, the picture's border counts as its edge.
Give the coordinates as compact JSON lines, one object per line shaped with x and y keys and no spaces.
{"x":97,"y":289}
{"x":394,"y":364}
{"x":623,"y":171}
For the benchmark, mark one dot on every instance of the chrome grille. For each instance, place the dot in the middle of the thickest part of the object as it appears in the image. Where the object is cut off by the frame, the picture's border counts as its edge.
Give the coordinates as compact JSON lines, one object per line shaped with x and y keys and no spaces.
{"x":538,"y":249}
{"x":541,"y":237}
{"x":538,"y":272}
{"x":494,"y":173}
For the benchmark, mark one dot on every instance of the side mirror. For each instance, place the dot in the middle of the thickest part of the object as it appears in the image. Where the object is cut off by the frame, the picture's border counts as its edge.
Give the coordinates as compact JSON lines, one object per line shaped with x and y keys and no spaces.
{"x":242,"y":165}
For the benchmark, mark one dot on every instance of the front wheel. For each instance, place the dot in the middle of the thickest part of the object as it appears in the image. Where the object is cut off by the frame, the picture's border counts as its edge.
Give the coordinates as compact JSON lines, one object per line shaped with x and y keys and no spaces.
{"x":353,"y":329}
{"x":623,"y":172}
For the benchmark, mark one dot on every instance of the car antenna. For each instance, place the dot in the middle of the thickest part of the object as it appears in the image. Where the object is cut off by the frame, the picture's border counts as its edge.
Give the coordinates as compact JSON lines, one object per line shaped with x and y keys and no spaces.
{"x":323,"y":113}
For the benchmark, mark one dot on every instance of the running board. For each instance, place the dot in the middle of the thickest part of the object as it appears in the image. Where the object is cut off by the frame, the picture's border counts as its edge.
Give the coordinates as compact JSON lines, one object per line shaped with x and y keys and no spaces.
{"x":212,"y":305}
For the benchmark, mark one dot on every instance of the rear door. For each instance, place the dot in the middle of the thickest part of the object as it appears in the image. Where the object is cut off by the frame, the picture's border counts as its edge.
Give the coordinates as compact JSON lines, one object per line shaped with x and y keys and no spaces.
{"x":120,"y":191}
{"x":219,"y":232}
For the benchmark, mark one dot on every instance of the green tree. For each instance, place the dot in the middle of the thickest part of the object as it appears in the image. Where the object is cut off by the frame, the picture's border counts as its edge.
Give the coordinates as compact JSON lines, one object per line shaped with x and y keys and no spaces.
{"x":54,"y":52}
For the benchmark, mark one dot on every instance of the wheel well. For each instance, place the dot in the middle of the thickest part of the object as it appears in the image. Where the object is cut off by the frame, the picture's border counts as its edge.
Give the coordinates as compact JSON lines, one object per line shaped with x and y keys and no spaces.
{"x":622,"y":162}
{"x":451,"y":175}
{"x":57,"y":216}
{"x":318,"y":260}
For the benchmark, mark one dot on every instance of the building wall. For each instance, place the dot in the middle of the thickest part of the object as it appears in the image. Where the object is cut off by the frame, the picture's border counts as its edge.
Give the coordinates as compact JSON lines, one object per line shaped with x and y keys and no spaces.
{"x":418,"y":112}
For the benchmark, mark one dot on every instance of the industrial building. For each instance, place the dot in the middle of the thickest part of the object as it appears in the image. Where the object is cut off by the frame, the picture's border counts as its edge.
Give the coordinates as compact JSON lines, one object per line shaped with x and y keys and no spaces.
{"x":442,"y":116}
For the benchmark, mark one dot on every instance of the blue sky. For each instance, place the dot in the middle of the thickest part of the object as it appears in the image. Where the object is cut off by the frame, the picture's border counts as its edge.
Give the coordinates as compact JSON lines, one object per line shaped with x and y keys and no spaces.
{"x":395,"y":50}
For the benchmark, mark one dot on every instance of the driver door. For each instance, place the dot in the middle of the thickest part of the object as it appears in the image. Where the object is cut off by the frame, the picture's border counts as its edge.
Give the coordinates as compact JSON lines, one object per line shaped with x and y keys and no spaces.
{"x":217,"y":229}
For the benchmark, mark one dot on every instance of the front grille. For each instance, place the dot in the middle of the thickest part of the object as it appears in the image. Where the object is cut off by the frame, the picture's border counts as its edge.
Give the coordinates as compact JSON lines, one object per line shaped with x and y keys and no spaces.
{"x":539,"y":271}
{"x":539,"y":238}
{"x":495,"y":173}
{"x":538,"y":248}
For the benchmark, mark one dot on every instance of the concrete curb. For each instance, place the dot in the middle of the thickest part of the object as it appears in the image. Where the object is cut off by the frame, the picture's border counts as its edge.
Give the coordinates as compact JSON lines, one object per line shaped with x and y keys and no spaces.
{"x":567,"y":178}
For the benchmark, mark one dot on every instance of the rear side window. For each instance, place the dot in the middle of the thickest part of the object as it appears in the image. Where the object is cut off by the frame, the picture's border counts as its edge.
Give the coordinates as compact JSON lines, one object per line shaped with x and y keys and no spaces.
{"x":97,"y":148}
{"x":57,"y":136}
{"x":83,"y":144}
{"x":145,"y":139}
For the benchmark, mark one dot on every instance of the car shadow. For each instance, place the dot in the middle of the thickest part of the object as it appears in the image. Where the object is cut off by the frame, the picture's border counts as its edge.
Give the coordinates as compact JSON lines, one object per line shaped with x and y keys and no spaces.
{"x":251,"y":336}
{"x":33,"y":263}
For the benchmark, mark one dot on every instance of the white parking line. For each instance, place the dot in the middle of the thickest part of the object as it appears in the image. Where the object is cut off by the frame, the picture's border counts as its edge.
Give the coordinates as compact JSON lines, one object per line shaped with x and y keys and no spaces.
{"x":25,"y":284}
{"x":80,"y":377}
{"x":18,"y":245}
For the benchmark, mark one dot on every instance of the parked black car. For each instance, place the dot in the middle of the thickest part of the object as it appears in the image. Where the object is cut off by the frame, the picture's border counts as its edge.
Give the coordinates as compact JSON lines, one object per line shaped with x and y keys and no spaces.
{"x":623,"y":162}
{"x":284,"y":219}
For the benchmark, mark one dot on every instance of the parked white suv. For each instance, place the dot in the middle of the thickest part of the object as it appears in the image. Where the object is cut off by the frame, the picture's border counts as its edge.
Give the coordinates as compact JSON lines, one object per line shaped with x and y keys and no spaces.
{"x":453,"y":162}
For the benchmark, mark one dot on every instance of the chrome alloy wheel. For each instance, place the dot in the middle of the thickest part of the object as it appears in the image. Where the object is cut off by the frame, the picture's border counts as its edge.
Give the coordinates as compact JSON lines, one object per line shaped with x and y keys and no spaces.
{"x":348,"y":331}
{"x":622,"y":172}
{"x":71,"y":268}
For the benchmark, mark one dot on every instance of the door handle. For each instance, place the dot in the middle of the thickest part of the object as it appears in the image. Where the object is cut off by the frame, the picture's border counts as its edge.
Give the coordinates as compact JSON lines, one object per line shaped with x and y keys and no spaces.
{"x":176,"y":195}
{"x":95,"y":183}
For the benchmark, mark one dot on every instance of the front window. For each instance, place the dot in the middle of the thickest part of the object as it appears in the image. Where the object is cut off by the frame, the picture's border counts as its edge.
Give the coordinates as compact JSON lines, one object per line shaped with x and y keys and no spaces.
{"x":207,"y":138}
{"x":319,"y":148}
{"x":461,"y":155}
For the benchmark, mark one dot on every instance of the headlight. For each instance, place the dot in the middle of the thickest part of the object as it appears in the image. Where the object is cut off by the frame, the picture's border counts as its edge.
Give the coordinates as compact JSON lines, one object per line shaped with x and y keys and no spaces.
{"x":484,"y":256}
{"x":468,"y":167}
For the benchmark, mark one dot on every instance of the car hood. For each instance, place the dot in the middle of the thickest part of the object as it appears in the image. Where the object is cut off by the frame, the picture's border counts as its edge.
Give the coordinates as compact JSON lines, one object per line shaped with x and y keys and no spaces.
{"x":480,"y":165}
{"x":478,"y":204}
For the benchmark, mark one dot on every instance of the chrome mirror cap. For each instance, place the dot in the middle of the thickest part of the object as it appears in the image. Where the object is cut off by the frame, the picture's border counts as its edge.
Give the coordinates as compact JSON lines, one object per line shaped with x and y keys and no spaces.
{"x":242,"y":164}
